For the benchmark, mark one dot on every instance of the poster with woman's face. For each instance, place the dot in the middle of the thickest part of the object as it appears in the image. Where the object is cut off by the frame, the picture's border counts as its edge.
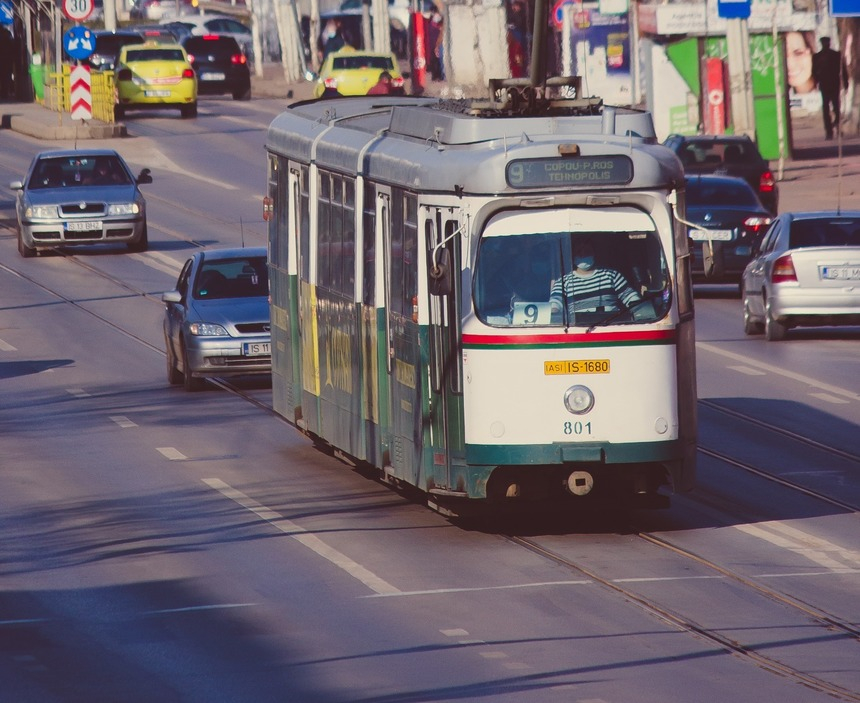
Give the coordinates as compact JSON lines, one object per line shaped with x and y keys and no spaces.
{"x":803,"y":92}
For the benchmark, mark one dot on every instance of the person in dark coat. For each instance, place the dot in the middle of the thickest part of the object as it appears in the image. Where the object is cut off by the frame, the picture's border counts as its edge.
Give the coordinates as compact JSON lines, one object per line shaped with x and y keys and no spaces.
{"x":830,"y":73}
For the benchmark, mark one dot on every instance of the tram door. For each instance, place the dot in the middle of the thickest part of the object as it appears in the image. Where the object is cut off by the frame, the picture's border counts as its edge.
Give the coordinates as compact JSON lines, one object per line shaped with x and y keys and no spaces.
{"x":441,"y":226}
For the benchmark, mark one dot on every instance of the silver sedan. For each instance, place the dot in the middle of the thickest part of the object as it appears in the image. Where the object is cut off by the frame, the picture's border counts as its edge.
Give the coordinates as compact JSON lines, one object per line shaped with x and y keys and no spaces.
{"x":216,"y":321}
{"x":80,"y":197}
{"x":805,"y":273}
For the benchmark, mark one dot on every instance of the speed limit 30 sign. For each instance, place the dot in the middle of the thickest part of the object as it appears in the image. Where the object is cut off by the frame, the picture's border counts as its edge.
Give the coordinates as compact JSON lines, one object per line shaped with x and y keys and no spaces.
{"x":78,"y":10}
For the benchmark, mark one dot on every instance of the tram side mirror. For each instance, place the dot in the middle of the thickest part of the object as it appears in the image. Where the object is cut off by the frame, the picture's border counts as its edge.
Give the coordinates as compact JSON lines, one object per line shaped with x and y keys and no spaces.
{"x":439,"y":275}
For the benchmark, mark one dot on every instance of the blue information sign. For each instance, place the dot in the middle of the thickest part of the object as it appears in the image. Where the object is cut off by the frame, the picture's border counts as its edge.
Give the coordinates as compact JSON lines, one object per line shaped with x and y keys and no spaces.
{"x":733,"y":9}
{"x":845,"y":8}
{"x":79,"y":42}
{"x":7,"y":15}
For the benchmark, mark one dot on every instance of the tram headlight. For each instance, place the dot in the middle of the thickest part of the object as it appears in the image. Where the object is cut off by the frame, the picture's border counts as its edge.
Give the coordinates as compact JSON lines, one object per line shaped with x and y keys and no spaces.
{"x":578,"y":400}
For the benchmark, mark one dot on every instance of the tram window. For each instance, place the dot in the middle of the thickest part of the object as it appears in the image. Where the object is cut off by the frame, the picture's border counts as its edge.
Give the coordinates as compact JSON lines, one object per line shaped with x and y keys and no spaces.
{"x":348,"y":252}
{"x":410,"y":255}
{"x":543,"y":279}
{"x":369,"y":234}
{"x":335,"y":252}
{"x":324,"y":231}
{"x":305,"y":226}
{"x":396,"y":285}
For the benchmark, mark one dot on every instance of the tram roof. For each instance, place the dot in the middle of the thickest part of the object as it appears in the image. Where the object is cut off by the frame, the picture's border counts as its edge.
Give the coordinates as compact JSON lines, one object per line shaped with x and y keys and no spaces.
{"x":427,"y":142}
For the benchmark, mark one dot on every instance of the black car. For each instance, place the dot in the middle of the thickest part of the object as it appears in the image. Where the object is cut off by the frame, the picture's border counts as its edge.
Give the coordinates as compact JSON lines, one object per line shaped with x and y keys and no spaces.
{"x":727,"y":155}
{"x":220,"y":65}
{"x":107,"y":46}
{"x":729,"y":223}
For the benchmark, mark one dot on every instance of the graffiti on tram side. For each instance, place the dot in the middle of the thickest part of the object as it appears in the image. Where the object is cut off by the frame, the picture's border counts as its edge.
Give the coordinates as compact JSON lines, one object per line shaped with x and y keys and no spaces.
{"x":338,"y":360}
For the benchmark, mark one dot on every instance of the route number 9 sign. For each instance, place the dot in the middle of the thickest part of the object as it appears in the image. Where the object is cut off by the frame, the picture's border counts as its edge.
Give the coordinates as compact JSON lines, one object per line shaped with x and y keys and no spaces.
{"x":78,"y":10}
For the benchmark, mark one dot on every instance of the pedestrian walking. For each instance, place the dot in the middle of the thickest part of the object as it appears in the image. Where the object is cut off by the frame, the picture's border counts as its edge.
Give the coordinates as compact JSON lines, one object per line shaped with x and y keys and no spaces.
{"x":830,"y":73}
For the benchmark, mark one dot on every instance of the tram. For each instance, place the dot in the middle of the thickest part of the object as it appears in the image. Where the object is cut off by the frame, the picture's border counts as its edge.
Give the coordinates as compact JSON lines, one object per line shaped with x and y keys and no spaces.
{"x":486,"y":300}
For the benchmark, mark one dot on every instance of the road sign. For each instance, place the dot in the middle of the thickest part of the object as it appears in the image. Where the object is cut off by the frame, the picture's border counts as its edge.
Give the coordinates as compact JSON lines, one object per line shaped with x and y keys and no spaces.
{"x":78,"y":10}
{"x":79,"y":42}
{"x":7,"y":12}
{"x":80,"y":93}
{"x":733,"y":9}
{"x":845,"y":8}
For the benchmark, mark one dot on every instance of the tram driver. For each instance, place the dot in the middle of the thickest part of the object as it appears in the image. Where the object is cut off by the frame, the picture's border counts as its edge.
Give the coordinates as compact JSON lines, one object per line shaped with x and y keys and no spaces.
{"x":591,"y":288}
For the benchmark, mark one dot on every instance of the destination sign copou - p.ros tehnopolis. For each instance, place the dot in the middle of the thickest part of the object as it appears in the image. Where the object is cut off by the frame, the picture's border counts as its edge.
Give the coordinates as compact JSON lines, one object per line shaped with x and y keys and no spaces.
{"x":576,"y":170}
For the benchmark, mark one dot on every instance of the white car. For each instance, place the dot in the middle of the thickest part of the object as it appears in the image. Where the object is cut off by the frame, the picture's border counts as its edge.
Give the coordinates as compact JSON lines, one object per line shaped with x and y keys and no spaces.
{"x":221,"y":25}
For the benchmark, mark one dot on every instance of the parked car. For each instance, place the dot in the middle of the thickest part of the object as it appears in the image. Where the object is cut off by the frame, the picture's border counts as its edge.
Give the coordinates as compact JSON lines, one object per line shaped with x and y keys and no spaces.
{"x":351,"y":72}
{"x":106,"y":46}
{"x":156,"y":76}
{"x":730,"y":222}
{"x":220,"y":65}
{"x":805,"y":273}
{"x":217,"y":24}
{"x":216,"y":320}
{"x":80,"y":197}
{"x":729,"y":155}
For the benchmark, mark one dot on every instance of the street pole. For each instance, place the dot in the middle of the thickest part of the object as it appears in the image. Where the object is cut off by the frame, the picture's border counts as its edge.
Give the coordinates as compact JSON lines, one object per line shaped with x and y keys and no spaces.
{"x":740,"y":77}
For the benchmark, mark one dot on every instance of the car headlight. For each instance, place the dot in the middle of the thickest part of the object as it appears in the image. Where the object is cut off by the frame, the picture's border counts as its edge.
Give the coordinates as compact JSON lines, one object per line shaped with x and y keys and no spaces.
{"x":123,"y":209}
{"x":207,"y":329}
{"x":42,"y":211}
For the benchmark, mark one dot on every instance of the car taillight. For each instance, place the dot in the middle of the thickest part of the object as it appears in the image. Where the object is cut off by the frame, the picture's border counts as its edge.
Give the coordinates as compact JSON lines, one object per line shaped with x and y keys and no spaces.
{"x":238,"y":58}
{"x":211,"y":37}
{"x":190,"y":58}
{"x":754,"y":225}
{"x":396,"y":82}
{"x":766,"y":182}
{"x":188,"y":73}
{"x":783,"y":270}
{"x":124,"y":74}
{"x":330,"y":83}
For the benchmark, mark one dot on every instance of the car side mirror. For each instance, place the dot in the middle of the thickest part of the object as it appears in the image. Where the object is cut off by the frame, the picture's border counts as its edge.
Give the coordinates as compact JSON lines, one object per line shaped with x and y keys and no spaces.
{"x":17,"y":185}
{"x":145,"y":176}
{"x":439,"y":276}
{"x":172,"y":296}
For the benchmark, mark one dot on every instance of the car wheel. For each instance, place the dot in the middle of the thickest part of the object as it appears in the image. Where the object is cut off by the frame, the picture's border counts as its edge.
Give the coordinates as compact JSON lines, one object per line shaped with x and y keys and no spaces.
{"x":141,"y":244}
{"x":189,"y":110}
{"x":189,"y":382}
{"x":174,"y":375}
{"x":23,"y":249}
{"x":751,"y":326}
{"x":774,"y":331}
{"x":242,"y":93}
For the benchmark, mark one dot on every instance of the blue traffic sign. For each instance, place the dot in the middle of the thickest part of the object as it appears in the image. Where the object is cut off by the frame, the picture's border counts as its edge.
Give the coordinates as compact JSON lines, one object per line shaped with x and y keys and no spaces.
{"x":733,"y":9}
{"x":79,"y":42}
{"x":845,"y":8}
{"x":7,"y":12}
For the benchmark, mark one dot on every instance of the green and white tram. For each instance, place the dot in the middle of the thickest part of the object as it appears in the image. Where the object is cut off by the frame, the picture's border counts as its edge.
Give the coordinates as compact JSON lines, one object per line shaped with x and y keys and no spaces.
{"x":481,"y":303}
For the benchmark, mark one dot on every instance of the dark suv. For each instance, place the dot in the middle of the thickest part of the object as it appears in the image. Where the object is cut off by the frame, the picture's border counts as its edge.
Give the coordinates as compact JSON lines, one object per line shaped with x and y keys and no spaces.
{"x":727,"y":155}
{"x":107,"y":45}
{"x":220,"y":65}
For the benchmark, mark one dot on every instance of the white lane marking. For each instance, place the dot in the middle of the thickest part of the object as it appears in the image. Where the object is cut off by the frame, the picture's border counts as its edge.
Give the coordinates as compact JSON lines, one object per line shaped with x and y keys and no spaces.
{"x":123,"y":421}
{"x":198,"y":608}
{"x":157,"y":159}
{"x":782,"y":372}
{"x":457,"y":632}
{"x":171,"y":453}
{"x":749,"y":371}
{"x":159,"y":262}
{"x":312,"y":542}
{"x":77,"y":392}
{"x":829,"y":398}
{"x":5,"y":346}
{"x":818,"y":551}
{"x":437,"y":591}
{"x":493,"y":655}
{"x":25,"y":621}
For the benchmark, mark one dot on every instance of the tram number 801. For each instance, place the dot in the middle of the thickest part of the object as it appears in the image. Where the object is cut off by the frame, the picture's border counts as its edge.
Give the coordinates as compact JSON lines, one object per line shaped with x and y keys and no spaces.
{"x":577,"y":428}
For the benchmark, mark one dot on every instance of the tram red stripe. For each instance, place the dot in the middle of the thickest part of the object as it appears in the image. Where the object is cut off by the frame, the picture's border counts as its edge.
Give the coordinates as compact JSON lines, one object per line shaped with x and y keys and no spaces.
{"x":561,"y":338}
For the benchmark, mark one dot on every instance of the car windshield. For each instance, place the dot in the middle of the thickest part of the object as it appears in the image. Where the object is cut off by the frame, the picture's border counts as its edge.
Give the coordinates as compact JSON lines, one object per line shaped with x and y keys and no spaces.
{"x":737,"y":193}
{"x":360,"y":61}
{"x":78,"y":170}
{"x":220,"y":48}
{"x":609,"y":278}
{"x":719,"y":153}
{"x":154,"y":55}
{"x":246,"y":277}
{"x":833,"y":232}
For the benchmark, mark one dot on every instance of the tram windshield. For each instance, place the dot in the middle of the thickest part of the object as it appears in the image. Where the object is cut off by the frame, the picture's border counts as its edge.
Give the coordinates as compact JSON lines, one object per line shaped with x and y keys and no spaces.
{"x":582,"y":277}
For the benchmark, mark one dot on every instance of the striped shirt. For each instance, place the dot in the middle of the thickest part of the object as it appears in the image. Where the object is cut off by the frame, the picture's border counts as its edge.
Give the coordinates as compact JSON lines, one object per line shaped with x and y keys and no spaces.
{"x":597,"y":292}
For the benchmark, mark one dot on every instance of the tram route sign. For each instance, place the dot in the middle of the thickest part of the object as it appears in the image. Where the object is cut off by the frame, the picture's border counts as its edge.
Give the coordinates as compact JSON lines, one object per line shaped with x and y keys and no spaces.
{"x":569,"y":171}
{"x":78,"y":10}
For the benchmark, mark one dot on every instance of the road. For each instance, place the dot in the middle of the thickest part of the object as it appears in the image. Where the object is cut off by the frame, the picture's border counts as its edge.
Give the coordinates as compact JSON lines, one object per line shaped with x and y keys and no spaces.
{"x":160,"y":545}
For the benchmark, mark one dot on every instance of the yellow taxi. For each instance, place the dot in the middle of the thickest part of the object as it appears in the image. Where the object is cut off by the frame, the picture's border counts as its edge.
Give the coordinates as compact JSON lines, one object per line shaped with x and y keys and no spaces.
{"x":352,"y":72}
{"x":155,"y":76}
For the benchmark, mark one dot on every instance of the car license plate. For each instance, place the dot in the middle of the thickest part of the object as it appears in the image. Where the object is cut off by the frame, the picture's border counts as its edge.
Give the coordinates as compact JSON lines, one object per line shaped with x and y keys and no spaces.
{"x":83,"y":226}
{"x":157,"y":93}
{"x":717,"y":235}
{"x":212,"y":76}
{"x":840,"y":273}
{"x":566,"y":368}
{"x":256,"y":348}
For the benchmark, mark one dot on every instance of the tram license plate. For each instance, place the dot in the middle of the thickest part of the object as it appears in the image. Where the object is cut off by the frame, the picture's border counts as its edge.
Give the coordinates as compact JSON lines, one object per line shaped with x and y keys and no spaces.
{"x":83,"y":226}
{"x":157,"y":93}
{"x":717,"y":235}
{"x":566,"y":368}
{"x":840,"y":273}
{"x":256,"y":348}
